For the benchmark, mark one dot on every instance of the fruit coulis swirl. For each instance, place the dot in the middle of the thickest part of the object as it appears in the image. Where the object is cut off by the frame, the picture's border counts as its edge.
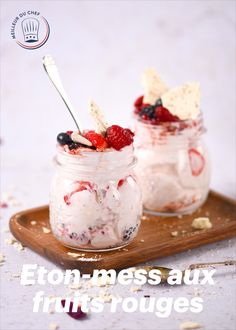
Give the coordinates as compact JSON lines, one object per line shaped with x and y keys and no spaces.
{"x":114,"y":137}
{"x":154,"y":114}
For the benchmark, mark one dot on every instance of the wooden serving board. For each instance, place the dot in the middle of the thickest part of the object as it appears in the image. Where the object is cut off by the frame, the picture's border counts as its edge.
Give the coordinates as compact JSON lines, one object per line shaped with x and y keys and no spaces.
{"x":153,"y":241}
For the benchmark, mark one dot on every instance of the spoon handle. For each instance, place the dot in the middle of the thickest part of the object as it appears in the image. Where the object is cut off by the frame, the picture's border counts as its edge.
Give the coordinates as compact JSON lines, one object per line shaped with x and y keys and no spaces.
{"x":212,"y":264}
{"x":52,"y":72}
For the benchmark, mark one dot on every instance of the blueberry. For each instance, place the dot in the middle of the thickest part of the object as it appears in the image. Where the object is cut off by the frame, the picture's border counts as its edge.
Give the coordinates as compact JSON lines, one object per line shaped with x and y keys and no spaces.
{"x":158,"y":103}
{"x":64,"y":138}
{"x":148,"y":111}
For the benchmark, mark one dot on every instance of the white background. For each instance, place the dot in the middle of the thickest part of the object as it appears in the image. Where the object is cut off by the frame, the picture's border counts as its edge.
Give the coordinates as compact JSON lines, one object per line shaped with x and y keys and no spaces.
{"x":101,"y":49}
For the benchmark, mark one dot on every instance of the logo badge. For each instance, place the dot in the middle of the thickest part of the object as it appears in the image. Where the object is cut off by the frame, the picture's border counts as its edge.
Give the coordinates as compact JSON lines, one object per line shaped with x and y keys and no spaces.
{"x":30,"y":30}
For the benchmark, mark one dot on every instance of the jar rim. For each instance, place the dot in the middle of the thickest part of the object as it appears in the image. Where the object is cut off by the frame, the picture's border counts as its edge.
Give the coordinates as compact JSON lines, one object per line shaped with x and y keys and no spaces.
{"x":102,"y":161}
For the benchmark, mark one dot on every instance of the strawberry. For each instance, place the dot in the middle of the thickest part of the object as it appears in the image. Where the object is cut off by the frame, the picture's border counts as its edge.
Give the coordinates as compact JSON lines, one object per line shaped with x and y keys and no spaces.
{"x":96,"y":139}
{"x":164,"y":115}
{"x":139,"y":101}
{"x":118,"y":137}
{"x":138,"y":105}
{"x":197,"y":161}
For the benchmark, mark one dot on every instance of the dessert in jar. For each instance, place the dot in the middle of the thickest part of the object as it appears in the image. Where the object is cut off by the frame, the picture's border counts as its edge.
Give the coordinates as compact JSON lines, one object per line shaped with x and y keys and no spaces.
{"x":95,"y":202}
{"x":173,"y":163}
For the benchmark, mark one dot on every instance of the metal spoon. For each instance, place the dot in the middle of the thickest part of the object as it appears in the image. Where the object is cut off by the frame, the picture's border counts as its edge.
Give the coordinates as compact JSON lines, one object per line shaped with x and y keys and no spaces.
{"x":165,"y":271}
{"x":52,"y":72}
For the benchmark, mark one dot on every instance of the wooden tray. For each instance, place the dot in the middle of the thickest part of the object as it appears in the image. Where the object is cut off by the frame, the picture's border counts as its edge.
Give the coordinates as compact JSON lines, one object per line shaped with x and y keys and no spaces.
{"x":154,"y":239}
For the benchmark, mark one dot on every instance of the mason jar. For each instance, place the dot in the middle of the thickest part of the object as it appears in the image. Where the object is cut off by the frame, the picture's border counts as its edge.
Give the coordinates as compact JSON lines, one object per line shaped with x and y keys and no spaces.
{"x":95,"y":201}
{"x":173,"y":166}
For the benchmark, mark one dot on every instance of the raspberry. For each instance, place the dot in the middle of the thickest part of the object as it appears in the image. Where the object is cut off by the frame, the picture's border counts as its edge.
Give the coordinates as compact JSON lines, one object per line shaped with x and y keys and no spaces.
{"x":96,"y":139}
{"x":118,"y":137}
{"x":164,"y":115}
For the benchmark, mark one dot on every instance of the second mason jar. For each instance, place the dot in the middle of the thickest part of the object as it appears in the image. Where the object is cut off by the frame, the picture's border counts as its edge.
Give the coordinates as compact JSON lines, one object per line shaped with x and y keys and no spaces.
{"x":95,"y":202}
{"x":173,"y":166}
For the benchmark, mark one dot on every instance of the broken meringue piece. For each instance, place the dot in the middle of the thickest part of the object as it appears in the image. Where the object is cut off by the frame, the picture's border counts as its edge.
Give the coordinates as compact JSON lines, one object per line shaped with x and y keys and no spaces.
{"x":76,"y":137}
{"x":201,"y":223}
{"x":154,"y":87}
{"x":101,"y":124}
{"x":183,"y":101}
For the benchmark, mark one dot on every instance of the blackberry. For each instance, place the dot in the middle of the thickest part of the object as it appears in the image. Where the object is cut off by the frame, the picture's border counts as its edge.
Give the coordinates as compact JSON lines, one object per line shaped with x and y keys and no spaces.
{"x":158,"y":103}
{"x":127,"y":233}
{"x":73,"y":235}
{"x":148,"y":111}
{"x":73,"y":145}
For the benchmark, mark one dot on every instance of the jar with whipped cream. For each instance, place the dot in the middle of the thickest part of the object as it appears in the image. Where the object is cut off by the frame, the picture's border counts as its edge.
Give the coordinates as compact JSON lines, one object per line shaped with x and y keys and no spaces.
{"x":173,"y":166}
{"x":173,"y":163}
{"x":95,"y":202}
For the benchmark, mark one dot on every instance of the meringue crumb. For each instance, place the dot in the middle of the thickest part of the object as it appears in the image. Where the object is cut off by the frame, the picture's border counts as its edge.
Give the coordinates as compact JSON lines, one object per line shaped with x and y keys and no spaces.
{"x":5,"y":230}
{"x":2,"y":258}
{"x":15,"y":275}
{"x":75,"y":286}
{"x":135,"y":289}
{"x":15,"y":243}
{"x":33,"y":222}
{"x":124,"y":249}
{"x":142,"y":240}
{"x":201,"y":223}
{"x":46,"y":230}
{"x":18,"y":246}
{"x":174,"y":233}
{"x":10,"y":241}
{"x":74,"y":255}
{"x":144,"y":217}
{"x":190,"y":325}
{"x":53,"y":326}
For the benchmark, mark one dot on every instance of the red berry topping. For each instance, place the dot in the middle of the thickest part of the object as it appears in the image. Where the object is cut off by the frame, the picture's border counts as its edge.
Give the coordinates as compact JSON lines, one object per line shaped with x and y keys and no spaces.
{"x":118,"y":137}
{"x":164,"y":115}
{"x":139,"y":101}
{"x":120,"y":183}
{"x":138,"y":104}
{"x":76,"y":313}
{"x":96,"y":139}
{"x":197,"y":161}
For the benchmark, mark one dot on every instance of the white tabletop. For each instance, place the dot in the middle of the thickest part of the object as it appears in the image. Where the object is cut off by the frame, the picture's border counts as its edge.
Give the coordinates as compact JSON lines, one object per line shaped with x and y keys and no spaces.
{"x":101,"y":49}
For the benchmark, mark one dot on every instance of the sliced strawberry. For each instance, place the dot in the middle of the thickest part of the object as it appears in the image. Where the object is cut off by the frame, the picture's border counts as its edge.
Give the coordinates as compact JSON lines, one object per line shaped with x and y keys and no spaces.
{"x":96,"y":139}
{"x":197,"y":161}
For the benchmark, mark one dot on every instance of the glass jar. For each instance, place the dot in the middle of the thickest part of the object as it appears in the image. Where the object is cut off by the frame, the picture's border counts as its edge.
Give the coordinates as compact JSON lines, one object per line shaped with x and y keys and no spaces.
{"x":173,"y":166}
{"x":95,"y":202}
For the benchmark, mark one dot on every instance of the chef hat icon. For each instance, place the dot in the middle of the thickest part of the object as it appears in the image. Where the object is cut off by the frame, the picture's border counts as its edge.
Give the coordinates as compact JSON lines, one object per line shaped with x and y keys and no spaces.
{"x":30,"y":28}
